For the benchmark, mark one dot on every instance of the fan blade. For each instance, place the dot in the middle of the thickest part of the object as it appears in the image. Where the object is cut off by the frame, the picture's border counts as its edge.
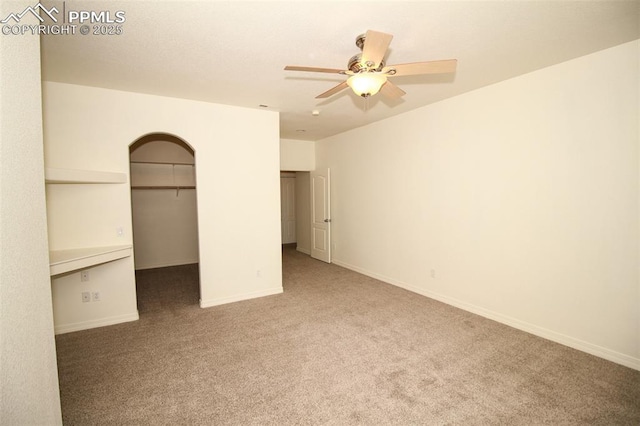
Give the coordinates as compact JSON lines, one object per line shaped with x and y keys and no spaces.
{"x":313,"y":69}
{"x":375,"y":47}
{"x":391,"y":90}
{"x":333,"y":90}
{"x":416,"y":68}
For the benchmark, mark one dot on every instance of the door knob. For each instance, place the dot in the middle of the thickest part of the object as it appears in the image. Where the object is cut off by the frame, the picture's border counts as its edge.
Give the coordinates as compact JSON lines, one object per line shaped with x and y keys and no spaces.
{"x":327,"y":220}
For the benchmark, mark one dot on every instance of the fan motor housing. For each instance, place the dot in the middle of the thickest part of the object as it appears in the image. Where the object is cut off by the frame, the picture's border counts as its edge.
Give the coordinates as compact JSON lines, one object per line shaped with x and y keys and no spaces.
{"x":356,"y":65}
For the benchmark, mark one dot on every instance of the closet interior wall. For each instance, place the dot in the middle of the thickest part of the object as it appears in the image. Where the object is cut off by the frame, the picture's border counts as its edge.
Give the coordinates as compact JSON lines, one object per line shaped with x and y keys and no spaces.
{"x":288,"y":207}
{"x":163,"y":201}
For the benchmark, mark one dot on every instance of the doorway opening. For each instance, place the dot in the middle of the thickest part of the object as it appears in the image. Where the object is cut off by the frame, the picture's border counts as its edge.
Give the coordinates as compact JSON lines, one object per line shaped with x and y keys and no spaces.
{"x":305,"y":212}
{"x":295,"y":210}
{"x":165,"y":222}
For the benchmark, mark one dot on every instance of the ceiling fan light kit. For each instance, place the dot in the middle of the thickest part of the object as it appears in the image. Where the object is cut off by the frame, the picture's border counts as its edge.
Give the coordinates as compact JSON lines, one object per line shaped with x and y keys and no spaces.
{"x":367,"y":71}
{"x":366,"y":84}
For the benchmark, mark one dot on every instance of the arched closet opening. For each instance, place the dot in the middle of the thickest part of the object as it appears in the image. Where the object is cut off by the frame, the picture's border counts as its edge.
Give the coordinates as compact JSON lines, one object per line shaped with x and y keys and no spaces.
{"x":165,"y":222}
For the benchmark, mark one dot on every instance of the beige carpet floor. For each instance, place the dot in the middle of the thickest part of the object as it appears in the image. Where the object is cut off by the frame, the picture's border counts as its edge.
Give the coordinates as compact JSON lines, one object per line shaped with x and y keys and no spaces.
{"x":336,"y":348}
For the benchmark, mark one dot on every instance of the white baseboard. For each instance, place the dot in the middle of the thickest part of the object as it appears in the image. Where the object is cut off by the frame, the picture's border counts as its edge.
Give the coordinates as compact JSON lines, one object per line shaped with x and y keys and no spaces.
{"x":166,"y":265}
{"x":239,"y":297}
{"x":303,"y":250}
{"x":590,"y":348}
{"x":85,"y":325}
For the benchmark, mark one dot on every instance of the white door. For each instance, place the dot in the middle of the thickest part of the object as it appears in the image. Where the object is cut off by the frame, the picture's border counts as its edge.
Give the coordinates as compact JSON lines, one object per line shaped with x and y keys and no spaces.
{"x":288,"y":209}
{"x":320,"y":215}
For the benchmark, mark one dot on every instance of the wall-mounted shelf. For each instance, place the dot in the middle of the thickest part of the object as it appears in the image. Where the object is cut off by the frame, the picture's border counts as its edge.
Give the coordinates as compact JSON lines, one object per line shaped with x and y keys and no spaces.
{"x":61,"y":261}
{"x":53,"y":175}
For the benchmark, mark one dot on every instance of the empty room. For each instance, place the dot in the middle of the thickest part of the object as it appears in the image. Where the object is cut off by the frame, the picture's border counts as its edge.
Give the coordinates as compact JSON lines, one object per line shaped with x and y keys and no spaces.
{"x":320,"y":212}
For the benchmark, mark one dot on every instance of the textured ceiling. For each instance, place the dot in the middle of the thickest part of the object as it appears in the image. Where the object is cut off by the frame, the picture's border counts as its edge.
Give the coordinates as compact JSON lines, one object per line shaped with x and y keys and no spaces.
{"x":234,"y":52}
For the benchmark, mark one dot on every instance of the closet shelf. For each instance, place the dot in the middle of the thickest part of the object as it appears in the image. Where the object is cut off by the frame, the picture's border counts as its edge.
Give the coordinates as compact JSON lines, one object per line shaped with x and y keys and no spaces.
{"x":53,"y":175}
{"x":162,"y":187}
{"x":61,"y":261}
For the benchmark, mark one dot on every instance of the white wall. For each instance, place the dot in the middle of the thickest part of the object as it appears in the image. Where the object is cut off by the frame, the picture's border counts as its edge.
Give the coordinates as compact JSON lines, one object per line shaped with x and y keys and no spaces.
{"x":518,"y":201}
{"x":89,"y":215}
{"x":115,"y":281}
{"x":28,"y":372}
{"x":239,"y":235}
{"x":297,"y":155}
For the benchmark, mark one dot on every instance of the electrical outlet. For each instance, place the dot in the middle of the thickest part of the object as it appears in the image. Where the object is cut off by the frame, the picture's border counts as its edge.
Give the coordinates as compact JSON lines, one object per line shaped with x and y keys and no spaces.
{"x":433,"y":273}
{"x":120,"y":231}
{"x":96,"y":296}
{"x":86,"y":297}
{"x":84,"y":275}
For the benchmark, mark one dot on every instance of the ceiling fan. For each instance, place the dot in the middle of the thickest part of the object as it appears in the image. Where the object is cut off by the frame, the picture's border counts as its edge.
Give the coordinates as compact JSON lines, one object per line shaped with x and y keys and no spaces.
{"x":368,"y":73}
